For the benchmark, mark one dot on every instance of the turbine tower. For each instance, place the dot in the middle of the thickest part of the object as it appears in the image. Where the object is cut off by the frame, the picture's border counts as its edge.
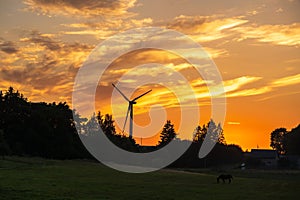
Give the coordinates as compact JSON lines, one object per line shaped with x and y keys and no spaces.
{"x":130,"y":108}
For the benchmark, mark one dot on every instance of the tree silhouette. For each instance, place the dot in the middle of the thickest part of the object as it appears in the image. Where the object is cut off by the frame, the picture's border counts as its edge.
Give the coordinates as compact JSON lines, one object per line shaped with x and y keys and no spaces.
{"x":278,"y":142}
{"x":100,"y":120}
{"x":200,"y":133}
{"x":293,"y":141}
{"x":216,"y":132}
{"x":168,"y":134}
{"x":221,"y":138}
{"x":92,"y":126}
{"x":106,"y":123}
{"x":38,"y":129}
{"x":79,"y":122}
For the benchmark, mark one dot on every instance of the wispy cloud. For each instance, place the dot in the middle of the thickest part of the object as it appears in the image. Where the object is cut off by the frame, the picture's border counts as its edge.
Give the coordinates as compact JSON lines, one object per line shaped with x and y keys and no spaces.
{"x":232,"y":87}
{"x":285,"y":81}
{"x":205,"y":28}
{"x":105,"y":28}
{"x":237,"y":83}
{"x":211,"y":28}
{"x":216,"y":53}
{"x":286,"y":34}
{"x":42,"y":65}
{"x":87,"y":8}
{"x":249,"y":92}
{"x":233,"y":123}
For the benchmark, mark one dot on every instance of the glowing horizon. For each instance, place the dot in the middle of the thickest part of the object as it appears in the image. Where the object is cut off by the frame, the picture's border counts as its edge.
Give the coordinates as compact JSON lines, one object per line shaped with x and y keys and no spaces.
{"x":255,"y":46}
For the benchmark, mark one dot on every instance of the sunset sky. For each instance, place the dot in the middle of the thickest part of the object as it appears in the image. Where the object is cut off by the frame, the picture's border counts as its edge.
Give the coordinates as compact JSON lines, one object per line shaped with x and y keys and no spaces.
{"x":255,"y":45}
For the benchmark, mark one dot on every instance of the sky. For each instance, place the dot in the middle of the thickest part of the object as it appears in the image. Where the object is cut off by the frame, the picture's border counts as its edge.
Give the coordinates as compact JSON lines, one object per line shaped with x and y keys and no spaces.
{"x":254,"y":44}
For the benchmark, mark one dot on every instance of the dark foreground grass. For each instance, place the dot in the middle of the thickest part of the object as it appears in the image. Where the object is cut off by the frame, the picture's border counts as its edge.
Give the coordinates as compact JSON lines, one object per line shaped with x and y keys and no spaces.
{"x":35,"y":178}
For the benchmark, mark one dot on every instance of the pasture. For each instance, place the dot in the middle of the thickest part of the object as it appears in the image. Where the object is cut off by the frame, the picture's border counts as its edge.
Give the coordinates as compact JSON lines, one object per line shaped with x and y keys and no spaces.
{"x":36,"y":178}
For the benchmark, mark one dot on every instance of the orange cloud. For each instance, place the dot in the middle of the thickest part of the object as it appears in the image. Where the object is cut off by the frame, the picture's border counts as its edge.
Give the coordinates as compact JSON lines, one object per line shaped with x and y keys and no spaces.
{"x":88,"y":8}
{"x":211,"y":28}
{"x":42,"y":66}
{"x":288,"y":34}
{"x":205,"y":28}
{"x":232,"y":87}
{"x":105,"y":28}
{"x":285,"y":81}
{"x":216,"y":53}
{"x":249,"y":92}
{"x":281,"y":82}
{"x":8,"y":47}
{"x":167,"y":99}
{"x":235,"y":84}
{"x":233,"y":123}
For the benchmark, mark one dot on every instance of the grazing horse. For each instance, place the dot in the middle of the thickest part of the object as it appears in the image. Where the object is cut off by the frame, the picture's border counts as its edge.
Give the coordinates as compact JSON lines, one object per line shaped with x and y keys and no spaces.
{"x":224,"y":177}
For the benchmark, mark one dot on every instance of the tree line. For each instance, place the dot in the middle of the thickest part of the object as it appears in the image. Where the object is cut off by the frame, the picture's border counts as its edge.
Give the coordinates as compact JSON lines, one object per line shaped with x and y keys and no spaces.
{"x":37,"y":129}
{"x":286,"y":142}
{"x":49,"y":130}
{"x":221,"y":154}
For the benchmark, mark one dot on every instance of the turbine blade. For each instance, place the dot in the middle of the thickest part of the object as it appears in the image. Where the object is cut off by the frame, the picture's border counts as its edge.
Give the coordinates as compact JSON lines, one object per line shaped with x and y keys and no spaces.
{"x":120,"y":92}
{"x":128,"y":110}
{"x":136,"y":98}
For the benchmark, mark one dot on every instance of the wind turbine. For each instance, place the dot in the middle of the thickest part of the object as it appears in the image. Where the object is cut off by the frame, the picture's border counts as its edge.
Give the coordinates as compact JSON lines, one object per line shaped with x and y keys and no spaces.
{"x":130,"y":108}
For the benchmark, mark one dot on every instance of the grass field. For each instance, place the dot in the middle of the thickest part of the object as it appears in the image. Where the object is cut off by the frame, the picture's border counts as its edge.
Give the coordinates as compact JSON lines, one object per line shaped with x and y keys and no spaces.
{"x":36,"y":178}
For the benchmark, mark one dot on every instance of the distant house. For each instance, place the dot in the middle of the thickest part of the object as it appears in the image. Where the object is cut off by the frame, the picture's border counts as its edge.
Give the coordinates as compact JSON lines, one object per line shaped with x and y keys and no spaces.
{"x":268,"y":158}
{"x":292,"y":161}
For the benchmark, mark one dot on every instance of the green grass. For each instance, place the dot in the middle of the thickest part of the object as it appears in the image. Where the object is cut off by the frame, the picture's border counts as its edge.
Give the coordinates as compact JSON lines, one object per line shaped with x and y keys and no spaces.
{"x":36,"y":178}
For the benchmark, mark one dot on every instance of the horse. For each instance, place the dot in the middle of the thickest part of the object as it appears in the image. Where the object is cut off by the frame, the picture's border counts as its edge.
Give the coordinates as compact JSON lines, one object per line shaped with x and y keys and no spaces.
{"x":224,"y":177}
